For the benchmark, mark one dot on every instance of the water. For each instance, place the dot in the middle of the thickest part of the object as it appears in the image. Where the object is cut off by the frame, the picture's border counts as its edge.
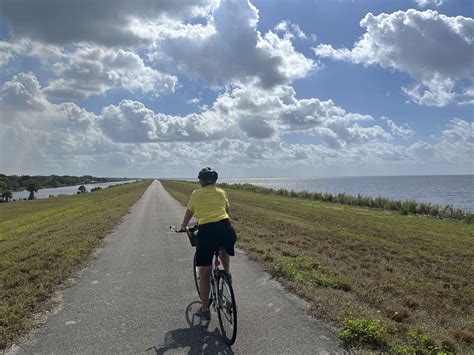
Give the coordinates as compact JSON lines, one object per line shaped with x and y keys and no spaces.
{"x":456,"y":190}
{"x":65,"y":190}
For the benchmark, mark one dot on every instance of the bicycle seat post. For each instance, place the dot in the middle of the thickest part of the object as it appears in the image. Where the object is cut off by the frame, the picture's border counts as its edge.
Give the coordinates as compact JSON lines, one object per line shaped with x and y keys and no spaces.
{"x":217,"y":262}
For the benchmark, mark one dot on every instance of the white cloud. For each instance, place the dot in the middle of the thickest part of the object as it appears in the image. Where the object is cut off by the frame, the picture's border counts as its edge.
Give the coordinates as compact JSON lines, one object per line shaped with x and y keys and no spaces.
{"x":425,"y":3}
{"x":456,"y":144}
{"x":99,"y":21}
{"x":230,"y":49}
{"x":194,"y":101}
{"x":290,"y":29}
{"x":243,"y":127}
{"x":27,"y":47}
{"x":131,"y":122}
{"x":459,"y":137}
{"x":226,"y":49}
{"x":468,"y":96}
{"x":434,"y":49}
{"x":94,"y":70}
{"x":404,"y":131}
{"x":246,"y":113}
{"x":21,"y":93}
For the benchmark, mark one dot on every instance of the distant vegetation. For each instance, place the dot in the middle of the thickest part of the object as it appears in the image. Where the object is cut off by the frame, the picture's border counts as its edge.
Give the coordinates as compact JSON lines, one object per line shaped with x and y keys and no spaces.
{"x":10,"y":183}
{"x":43,"y":241}
{"x":409,"y":207}
{"x":19,"y":183}
{"x":390,"y":283}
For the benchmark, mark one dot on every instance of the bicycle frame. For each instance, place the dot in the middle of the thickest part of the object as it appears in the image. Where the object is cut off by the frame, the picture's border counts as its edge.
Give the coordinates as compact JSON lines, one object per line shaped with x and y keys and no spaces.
{"x":214,"y":276}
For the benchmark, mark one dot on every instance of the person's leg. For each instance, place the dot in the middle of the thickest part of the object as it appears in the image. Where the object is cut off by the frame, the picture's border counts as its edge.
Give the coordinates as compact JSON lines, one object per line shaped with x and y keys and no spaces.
{"x":225,"y":259}
{"x":204,"y":285}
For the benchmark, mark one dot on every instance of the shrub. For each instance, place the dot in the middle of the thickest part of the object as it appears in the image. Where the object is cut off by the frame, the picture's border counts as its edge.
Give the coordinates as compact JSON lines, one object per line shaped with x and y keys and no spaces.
{"x":363,"y":331}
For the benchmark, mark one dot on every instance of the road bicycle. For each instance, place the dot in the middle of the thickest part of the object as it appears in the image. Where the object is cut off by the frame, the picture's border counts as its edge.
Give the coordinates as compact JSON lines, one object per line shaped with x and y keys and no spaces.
{"x":221,"y":296}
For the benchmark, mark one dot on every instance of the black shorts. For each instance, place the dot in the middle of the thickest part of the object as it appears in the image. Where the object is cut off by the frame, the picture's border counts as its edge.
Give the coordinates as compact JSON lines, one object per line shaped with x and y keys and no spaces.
{"x":212,"y":236}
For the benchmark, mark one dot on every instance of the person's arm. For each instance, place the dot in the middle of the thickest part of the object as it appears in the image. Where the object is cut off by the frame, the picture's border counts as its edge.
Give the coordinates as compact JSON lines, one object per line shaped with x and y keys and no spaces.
{"x":226,"y":202}
{"x":187,"y":217}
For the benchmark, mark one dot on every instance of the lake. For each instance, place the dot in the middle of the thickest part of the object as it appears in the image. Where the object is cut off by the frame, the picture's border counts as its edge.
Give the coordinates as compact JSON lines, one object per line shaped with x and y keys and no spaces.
{"x":456,"y":190}
{"x":65,"y":190}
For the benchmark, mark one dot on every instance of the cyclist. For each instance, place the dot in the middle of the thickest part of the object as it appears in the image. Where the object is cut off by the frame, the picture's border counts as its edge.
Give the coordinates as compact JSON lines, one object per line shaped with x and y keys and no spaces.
{"x":210,"y":206}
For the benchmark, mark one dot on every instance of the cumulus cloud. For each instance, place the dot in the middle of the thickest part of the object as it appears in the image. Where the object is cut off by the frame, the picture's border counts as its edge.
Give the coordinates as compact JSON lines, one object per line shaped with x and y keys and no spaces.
{"x":230,"y":49}
{"x":468,"y":96}
{"x":434,"y":49}
{"x":245,"y":113}
{"x":94,"y":70}
{"x":21,"y":93}
{"x":456,"y":144}
{"x":424,"y":3}
{"x":97,"y":21}
{"x":459,"y":136}
{"x":404,"y":131}
{"x":131,"y":122}
{"x":290,"y":29}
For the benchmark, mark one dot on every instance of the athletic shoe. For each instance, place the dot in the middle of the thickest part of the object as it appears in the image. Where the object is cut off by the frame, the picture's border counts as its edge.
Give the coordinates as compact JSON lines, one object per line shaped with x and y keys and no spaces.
{"x":205,"y":315}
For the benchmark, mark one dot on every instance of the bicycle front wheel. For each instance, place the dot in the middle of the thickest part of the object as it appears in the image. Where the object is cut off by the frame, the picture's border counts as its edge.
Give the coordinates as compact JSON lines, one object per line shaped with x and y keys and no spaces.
{"x":196,"y":275}
{"x":227,"y":309}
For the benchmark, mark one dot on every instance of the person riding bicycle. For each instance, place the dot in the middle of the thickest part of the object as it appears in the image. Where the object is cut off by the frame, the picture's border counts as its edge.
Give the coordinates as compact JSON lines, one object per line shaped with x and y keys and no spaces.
{"x":210,"y":206}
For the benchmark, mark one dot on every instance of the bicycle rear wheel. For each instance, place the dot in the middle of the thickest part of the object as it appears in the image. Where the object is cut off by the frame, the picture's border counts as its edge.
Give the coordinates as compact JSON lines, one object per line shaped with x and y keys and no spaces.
{"x":227,"y":310}
{"x":196,"y":275}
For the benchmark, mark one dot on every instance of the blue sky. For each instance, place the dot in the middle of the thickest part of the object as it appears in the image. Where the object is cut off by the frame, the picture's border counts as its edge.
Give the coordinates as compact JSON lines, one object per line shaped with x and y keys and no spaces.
{"x":261,"y":88}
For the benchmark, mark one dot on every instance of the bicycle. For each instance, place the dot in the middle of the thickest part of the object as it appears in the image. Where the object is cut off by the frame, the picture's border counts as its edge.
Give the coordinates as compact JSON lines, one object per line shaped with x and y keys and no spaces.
{"x":222,"y":296}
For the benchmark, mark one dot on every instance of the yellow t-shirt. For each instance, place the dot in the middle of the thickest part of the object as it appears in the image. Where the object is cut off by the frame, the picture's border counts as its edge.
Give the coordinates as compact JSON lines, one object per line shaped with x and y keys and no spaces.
{"x":209,"y":204}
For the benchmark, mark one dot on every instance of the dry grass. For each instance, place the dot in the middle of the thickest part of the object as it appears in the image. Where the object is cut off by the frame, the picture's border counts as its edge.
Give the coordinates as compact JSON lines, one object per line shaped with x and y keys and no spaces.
{"x":389,"y":282}
{"x":43,"y":241}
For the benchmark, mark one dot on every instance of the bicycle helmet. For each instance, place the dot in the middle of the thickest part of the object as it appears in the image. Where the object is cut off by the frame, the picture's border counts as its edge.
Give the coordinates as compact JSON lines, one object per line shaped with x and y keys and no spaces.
{"x":207,"y":176}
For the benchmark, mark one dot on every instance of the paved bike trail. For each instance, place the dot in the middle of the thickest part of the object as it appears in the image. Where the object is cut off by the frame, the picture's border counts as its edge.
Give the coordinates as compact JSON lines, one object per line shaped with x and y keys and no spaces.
{"x":138,"y":296}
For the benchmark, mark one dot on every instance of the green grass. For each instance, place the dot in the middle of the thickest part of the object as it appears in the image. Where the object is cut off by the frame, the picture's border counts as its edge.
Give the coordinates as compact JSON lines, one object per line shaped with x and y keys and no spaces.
{"x":43,"y":241}
{"x":389,"y":282}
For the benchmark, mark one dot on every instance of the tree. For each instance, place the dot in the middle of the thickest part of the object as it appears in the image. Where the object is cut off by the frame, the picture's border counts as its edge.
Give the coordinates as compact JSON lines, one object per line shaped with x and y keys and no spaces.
{"x":7,"y":195}
{"x":32,"y":188}
{"x":82,"y":189}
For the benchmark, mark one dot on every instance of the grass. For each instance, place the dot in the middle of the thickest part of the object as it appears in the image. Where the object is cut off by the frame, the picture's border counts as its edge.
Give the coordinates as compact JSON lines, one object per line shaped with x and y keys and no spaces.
{"x":42,"y":242}
{"x":389,"y":282}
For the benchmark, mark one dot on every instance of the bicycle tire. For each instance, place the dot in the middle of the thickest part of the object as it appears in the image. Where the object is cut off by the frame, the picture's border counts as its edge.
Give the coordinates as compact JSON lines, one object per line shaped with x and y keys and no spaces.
{"x":227,"y":310}
{"x":196,"y":276}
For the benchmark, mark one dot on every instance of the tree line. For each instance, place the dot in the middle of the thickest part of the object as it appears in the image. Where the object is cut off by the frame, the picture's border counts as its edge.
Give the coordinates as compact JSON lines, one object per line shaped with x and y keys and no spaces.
{"x":10,"y":183}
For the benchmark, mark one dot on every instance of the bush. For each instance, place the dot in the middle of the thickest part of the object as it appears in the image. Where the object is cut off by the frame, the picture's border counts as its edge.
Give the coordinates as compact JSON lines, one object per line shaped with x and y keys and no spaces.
{"x":363,"y":331}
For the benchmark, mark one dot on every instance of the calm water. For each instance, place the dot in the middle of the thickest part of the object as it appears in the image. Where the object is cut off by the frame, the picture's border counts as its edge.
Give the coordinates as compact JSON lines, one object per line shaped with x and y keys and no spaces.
{"x":65,"y":190}
{"x":456,"y":190}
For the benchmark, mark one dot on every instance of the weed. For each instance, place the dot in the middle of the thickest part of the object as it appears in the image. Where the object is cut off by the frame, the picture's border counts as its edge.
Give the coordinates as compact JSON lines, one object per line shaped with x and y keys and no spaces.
{"x":363,"y":331}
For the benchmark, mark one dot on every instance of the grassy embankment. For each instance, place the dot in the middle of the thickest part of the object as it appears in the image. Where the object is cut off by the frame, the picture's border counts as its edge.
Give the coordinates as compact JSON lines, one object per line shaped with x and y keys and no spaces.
{"x":389,"y":282}
{"x":43,"y":241}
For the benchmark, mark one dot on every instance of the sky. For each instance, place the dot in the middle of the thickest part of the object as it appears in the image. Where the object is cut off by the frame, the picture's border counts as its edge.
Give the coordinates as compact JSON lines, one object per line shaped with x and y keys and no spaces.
{"x":259,"y":88}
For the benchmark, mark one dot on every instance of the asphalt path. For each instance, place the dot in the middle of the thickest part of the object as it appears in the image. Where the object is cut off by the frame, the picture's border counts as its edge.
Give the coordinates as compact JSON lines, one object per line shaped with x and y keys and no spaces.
{"x":138,"y":296}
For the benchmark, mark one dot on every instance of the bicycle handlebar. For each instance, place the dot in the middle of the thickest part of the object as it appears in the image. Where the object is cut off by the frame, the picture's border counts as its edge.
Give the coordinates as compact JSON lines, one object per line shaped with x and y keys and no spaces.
{"x":190,"y":231}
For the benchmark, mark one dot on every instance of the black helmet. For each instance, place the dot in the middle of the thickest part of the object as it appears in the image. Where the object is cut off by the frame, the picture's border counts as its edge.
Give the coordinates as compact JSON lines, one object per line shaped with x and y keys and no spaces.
{"x":207,"y":176}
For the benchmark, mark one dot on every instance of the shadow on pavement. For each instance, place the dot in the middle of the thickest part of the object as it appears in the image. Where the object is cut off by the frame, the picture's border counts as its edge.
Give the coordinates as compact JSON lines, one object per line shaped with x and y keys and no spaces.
{"x":196,"y":339}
